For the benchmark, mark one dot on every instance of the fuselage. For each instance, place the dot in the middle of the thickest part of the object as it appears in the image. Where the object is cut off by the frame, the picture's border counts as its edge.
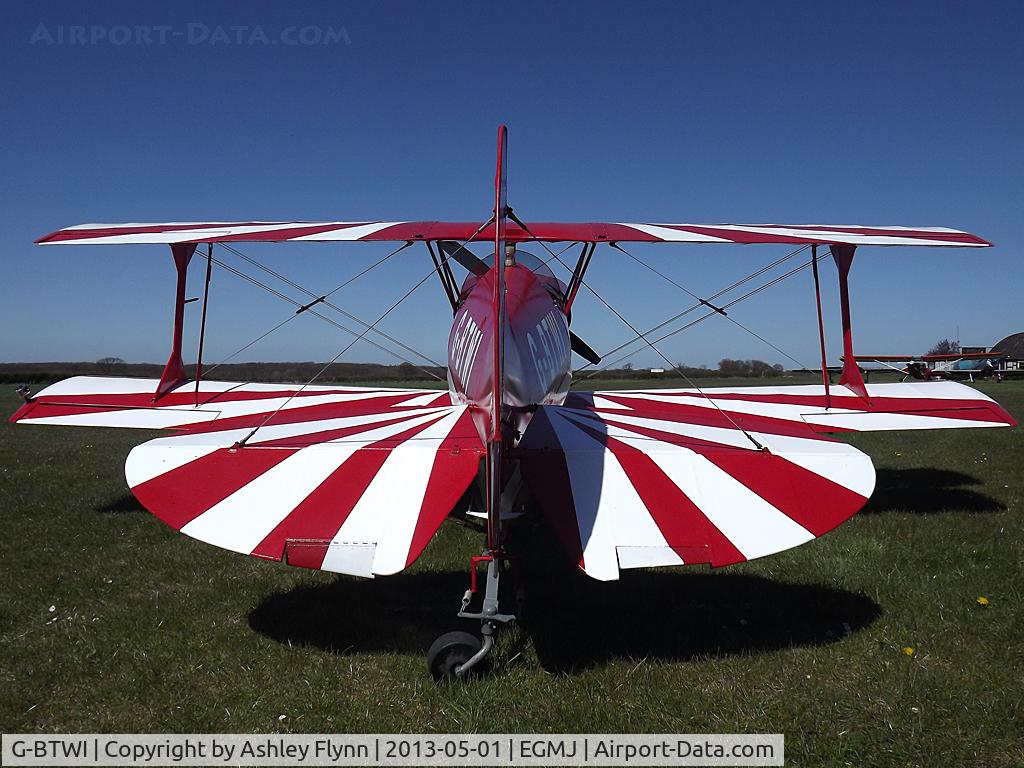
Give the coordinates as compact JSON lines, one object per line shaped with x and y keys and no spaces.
{"x":536,"y":345}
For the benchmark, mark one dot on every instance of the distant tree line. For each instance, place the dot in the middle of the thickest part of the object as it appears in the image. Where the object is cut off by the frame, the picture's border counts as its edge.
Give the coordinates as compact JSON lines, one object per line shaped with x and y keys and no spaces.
{"x":301,"y":372}
{"x":726,"y":368}
{"x":289,"y":372}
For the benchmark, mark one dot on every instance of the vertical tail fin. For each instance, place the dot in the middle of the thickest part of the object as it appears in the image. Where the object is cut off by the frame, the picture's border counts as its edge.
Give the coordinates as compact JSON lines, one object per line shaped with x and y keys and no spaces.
{"x":495,"y":440}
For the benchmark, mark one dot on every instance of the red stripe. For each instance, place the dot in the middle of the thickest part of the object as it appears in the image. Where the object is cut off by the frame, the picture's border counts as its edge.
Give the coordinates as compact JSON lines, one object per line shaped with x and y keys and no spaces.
{"x":970,"y":409}
{"x":185,"y":396}
{"x":455,"y":467}
{"x":70,"y":405}
{"x":278,"y":235}
{"x":813,"y":501}
{"x":326,"y":435}
{"x":181,"y":495}
{"x":75,"y":234}
{"x":917,"y":234}
{"x":878,"y":404}
{"x":290,"y":230}
{"x":821,"y":234}
{"x":324,"y":511}
{"x":546,"y":473}
{"x":685,"y":527}
{"x":321,"y":514}
{"x":686,"y":441}
{"x":713,"y":417}
{"x":301,"y":415}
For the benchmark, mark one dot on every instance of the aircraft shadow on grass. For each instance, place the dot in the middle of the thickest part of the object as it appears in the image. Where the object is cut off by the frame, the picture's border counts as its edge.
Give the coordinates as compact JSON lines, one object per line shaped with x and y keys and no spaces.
{"x":124,"y":504}
{"x":927,"y":491}
{"x":573,"y":621}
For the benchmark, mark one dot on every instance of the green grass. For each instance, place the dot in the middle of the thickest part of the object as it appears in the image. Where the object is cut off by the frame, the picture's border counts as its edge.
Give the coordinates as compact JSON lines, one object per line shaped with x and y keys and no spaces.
{"x":110,"y":621}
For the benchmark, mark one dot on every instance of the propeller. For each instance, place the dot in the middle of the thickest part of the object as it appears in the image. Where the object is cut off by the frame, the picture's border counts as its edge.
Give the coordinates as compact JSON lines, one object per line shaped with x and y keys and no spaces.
{"x":463,"y":256}
{"x":581,"y":348}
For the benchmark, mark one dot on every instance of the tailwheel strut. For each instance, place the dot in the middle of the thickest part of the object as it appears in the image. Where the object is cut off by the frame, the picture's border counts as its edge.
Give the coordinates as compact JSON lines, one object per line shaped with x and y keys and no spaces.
{"x":457,"y":654}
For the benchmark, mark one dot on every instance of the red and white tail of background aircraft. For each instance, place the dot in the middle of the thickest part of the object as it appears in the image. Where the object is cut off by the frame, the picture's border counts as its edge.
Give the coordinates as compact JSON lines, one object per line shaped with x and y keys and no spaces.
{"x":357,"y":480}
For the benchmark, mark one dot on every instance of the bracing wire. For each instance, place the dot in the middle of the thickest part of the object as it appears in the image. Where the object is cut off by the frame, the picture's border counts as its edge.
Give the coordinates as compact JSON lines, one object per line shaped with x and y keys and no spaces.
{"x":334,"y":359}
{"x":657,"y":351}
{"x":307,"y":307}
{"x":328,"y":320}
{"x":694,"y":307}
{"x":323,"y":299}
{"x":700,"y":319}
{"x":702,"y":302}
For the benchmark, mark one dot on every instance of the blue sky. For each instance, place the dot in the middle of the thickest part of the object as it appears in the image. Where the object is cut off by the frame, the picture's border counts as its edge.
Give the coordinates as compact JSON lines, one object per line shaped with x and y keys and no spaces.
{"x":887,"y":113}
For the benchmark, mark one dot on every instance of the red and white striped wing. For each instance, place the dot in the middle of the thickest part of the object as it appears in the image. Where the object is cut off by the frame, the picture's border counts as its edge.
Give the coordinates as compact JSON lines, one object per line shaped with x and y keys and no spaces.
{"x":593,"y":232}
{"x":346,"y":479}
{"x":101,"y":401}
{"x":666,"y":477}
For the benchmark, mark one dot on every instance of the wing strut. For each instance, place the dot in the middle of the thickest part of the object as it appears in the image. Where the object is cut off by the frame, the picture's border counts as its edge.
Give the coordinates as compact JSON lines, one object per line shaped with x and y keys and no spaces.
{"x":577,"y":274}
{"x":202,"y":322}
{"x":174,"y":371}
{"x":843,"y":254}
{"x":826,"y":379}
{"x":444,"y":274}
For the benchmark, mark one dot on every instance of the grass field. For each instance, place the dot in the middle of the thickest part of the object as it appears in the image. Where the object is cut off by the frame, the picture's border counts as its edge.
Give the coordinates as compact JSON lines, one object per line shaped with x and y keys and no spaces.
{"x":110,"y":621}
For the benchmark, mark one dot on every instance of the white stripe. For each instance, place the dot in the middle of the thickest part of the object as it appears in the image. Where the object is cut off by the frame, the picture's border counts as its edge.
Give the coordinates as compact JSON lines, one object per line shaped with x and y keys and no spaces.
{"x":816,"y":232}
{"x":132,"y":418}
{"x":164,"y":454}
{"x":126,"y":385}
{"x":389,"y":509}
{"x":898,"y":236}
{"x":206,"y":230}
{"x":835,"y":461}
{"x":786,"y":411}
{"x":607,"y":515}
{"x":349,"y":233}
{"x":242,"y":520}
{"x":353,"y":559}
{"x":422,"y":400}
{"x":829,"y":227}
{"x":606,"y":404}
{"x":647,"y":557}
{"x":755,"y":527}
{"x":883,"y":422}
{"x":194,"y":224}
{"x":163,"y":417}
{"x":670,"y":235}
{"x":727,"y":436}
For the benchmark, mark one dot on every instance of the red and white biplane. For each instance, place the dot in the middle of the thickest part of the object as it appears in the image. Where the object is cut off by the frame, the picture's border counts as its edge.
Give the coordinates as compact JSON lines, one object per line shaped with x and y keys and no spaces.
{"x":357,"y":480}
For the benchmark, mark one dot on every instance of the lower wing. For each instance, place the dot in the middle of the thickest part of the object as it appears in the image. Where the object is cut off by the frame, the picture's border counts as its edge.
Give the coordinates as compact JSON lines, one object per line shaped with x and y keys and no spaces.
{"x":347,"y":479}
{"x":632,"y":479}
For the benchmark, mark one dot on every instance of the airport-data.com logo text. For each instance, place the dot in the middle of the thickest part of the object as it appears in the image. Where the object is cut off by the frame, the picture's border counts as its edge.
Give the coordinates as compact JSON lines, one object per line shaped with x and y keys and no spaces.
{"x":193,"y":33}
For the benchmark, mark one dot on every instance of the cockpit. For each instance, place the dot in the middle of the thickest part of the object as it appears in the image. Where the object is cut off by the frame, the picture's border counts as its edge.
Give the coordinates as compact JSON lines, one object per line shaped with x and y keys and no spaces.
{"x":516,"y":257}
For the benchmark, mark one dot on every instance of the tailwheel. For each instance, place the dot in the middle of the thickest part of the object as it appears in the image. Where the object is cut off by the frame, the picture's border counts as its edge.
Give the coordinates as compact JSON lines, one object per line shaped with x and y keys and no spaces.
{"x":458,"y":654}
{"x":449,"y":653}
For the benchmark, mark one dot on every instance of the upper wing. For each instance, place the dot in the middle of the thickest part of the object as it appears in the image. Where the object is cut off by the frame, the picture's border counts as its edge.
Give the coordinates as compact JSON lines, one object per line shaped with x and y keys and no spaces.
{"x":346,"y":479}
{"x":594,"y":232}
{"x":631,"y":479}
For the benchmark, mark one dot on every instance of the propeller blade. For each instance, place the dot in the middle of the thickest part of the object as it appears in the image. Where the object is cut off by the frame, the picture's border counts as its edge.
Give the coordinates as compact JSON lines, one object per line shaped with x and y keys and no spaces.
{"x":581,"y":348}
{"x":464,"y":256}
